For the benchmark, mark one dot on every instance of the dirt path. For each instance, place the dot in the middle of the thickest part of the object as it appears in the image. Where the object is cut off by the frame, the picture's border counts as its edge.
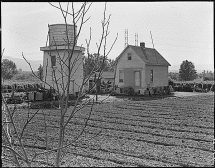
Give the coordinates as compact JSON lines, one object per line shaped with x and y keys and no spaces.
{"x":108,"y":98}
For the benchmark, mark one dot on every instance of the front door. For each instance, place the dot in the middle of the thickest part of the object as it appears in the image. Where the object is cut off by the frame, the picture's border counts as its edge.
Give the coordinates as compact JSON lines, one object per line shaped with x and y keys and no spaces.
{"x":129,"y":77}
{"x":137,"y":78}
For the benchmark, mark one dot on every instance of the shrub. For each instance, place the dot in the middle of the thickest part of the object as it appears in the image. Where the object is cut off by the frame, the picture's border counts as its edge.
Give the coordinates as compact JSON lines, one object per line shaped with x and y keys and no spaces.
{"x":128,"y":90}
{"x":170,"y":81}
{"x":198,"y":89}
{"x":72,"y":97}
{"x":14,"y":100}
{"x":208,"y":78}
{"x":157,"y":91}
{"x":209,"y":86}
{"x":113,"y":93}
{"x":93,"y":91}
{"x":213,"y":88}
{"x":48,"y":104}
{"x":187,"y":88}
{"x":38,"y":105}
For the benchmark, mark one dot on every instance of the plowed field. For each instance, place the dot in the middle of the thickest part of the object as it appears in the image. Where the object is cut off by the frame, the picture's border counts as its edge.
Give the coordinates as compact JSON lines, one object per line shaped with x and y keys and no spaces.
{"x":175,"y":131}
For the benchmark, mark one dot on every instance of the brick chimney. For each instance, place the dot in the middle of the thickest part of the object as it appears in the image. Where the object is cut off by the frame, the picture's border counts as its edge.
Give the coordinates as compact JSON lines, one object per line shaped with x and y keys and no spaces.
{"x":142,"y":44}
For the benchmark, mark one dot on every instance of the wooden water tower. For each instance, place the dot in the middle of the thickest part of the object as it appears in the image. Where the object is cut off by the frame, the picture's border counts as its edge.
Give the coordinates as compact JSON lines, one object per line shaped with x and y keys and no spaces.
{"x":55,"y":58}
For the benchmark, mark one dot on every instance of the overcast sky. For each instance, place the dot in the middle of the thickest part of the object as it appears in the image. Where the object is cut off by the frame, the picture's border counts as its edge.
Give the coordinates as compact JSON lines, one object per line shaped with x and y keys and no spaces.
{"x":180,"y":30}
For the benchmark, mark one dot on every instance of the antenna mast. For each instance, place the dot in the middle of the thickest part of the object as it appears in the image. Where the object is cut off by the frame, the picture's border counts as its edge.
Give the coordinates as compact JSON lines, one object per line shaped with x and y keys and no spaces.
{"x":126,"y":37}
{"x":152,"y":39}
{"x":153,"y":48}
{"x":136,"y":39}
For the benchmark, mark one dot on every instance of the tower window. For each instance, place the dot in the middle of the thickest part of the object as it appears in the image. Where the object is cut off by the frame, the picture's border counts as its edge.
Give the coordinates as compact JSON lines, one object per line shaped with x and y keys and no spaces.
{"x":53,"y":61}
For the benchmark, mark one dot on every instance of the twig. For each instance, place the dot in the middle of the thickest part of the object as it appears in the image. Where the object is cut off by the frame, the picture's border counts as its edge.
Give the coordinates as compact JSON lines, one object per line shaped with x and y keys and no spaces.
{"x":27,"y":122}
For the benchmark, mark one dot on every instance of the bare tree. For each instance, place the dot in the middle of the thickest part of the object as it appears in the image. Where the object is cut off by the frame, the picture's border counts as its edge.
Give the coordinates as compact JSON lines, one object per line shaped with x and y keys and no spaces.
{"x":77,"y":17}
{"x":68,"y":64}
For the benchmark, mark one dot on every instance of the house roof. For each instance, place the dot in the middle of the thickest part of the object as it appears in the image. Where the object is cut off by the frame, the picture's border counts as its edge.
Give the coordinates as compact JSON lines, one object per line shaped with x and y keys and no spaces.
{"x":149,"y":55}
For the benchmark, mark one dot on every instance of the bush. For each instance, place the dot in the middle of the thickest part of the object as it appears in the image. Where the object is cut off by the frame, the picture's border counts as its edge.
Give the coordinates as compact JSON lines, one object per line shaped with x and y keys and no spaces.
{"x":93,"y":91}
{"x":38,"y":105}
{"x":170,"y":82}
{"x":48,"y":104}
{"x":72,"y":97}
{"x":187,"y":88}
{"x":213,"y":88}
{"x":208,"y":78}
{"x":198,"y":89}
{"x":128,"y":90}
{"x":14,"y":100}
{"x":20,"y":77}
{"x":113,"y":93}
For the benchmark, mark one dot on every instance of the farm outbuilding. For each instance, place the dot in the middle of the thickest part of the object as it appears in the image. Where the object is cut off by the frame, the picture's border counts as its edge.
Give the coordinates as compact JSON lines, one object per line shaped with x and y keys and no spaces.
{"x":104,"y":84}
{"x":141,"y":68}
{"x":56,"y":59}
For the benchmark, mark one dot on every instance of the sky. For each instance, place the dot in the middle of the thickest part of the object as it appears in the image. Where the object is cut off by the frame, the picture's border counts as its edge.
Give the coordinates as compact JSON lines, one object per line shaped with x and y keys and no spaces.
{"x":180,"y":30}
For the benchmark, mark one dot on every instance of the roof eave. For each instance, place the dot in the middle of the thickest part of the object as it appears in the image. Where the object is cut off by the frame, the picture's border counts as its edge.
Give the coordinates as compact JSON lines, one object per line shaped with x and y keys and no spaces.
{"x":148,"y":64}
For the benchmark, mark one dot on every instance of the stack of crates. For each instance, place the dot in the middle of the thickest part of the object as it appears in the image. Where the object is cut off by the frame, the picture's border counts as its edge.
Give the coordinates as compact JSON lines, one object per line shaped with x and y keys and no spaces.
{"x":31,"y":96}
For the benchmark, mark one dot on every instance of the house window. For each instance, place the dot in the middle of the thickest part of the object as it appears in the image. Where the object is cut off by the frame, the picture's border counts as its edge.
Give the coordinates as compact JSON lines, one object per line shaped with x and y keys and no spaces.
{"x":151,"y":75}
{"x":121,"y":75}
{"x":129,"y":56}
{"x":137,"y":78}
{"x":53,"y":61}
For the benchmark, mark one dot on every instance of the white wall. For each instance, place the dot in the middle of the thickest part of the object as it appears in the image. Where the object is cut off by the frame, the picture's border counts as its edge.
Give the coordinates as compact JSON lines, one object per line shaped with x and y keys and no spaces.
{"x":136,"y":63}
{"x":77,"y":72}
{"x":160,"y":76}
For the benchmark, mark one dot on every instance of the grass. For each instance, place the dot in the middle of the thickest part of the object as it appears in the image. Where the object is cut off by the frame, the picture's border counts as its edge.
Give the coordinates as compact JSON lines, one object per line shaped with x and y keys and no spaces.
{"x":173,"y":131}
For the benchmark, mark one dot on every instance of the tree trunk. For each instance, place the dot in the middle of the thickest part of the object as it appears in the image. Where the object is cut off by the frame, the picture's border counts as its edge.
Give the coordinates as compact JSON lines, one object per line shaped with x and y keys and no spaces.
{"x":60,"y":142}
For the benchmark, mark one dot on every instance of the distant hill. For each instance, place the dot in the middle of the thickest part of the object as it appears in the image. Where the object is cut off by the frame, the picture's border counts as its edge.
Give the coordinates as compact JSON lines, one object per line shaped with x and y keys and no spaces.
{"x":21,"y":63}
{"x":199,"y":68}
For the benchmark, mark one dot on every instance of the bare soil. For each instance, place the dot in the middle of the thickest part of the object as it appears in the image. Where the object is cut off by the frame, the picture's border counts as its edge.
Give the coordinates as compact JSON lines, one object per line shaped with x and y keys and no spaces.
{"x":170,"y":131}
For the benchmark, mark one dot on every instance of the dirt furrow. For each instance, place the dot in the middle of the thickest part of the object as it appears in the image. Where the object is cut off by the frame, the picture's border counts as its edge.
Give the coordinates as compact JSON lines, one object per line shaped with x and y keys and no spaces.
{"x":150,"y":137}
{"x":141,"y":120}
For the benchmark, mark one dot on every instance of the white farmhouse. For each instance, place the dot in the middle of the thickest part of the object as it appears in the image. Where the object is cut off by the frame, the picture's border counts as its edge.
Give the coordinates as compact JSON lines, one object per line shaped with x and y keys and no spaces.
{"x":141,"y":68}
